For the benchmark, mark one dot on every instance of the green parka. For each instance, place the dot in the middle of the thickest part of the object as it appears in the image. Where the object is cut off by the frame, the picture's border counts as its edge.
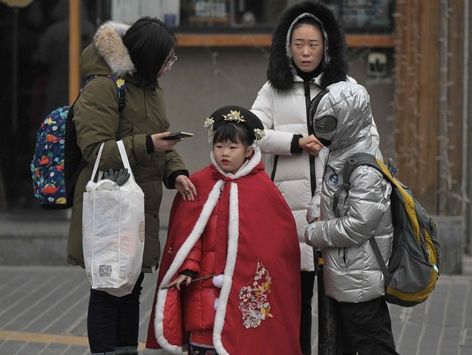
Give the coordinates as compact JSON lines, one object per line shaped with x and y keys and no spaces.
{"x":97,"y":119}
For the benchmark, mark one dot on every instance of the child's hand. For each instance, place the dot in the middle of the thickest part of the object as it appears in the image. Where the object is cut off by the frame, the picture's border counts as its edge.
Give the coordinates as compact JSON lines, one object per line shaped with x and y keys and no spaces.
{"x":181,"y":279}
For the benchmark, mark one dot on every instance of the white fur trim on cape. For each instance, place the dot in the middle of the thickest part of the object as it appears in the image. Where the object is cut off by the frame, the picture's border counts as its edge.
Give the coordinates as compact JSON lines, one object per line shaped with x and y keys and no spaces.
{"x":233,"y":235}
{"x":109,"y":43}
{"x":245,"y":169}
{"x":177,"y":263}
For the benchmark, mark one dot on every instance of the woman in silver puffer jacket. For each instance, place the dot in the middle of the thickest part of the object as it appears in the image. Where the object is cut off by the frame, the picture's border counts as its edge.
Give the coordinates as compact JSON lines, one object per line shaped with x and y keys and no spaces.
{"x":342,"y":121}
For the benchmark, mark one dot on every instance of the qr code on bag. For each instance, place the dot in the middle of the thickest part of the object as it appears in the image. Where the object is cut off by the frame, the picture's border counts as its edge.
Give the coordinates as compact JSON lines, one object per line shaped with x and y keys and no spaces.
{"x":104,"y":270}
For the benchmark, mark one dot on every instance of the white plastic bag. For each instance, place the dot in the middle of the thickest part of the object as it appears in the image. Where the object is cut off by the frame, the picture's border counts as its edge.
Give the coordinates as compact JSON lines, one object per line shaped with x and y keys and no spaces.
{"x":113,"y":231}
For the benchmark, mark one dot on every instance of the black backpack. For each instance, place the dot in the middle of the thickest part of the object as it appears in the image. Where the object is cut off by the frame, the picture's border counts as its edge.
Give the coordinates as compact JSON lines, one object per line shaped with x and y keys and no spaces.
{"x":412,"y":269}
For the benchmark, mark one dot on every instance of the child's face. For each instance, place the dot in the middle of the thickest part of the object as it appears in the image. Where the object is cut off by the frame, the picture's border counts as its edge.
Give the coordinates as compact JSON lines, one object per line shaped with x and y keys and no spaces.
{"x":231,"y":156}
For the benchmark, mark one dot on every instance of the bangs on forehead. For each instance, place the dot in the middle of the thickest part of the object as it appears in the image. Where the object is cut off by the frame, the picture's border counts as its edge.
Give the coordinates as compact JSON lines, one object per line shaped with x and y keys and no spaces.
{"x":231,"y":132}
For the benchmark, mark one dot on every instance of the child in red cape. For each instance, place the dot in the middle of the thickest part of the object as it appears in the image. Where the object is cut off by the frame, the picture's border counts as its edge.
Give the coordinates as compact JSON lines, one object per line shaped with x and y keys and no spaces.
{"x":229,"y":281}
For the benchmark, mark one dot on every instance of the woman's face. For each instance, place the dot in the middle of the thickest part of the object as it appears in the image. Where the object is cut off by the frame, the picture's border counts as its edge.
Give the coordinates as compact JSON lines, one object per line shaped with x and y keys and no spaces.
{"x":307,"y":47}
{"x":231,"y":156}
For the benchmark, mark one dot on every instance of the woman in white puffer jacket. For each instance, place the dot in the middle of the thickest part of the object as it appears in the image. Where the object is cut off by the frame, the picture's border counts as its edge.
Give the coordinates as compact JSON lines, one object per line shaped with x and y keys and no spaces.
{"x":308,"y":53}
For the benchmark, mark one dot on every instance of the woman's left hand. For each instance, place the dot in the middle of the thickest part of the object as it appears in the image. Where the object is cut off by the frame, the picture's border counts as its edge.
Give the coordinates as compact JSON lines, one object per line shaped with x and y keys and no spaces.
{"x":185,"y":187}
{"x":314,"y":146}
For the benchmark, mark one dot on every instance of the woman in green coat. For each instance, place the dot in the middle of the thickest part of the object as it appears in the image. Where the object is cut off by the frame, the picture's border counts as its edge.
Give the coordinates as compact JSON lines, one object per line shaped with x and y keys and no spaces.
{"x":139,"y":54}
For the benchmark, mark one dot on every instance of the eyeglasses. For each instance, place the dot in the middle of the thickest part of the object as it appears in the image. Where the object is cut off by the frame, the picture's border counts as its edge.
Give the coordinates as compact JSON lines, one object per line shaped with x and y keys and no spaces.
{"x":168,"y":64}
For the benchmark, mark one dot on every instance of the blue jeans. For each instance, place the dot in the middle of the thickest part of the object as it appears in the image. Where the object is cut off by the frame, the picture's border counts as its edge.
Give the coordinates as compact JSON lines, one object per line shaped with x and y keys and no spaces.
{"x":113,"y":322}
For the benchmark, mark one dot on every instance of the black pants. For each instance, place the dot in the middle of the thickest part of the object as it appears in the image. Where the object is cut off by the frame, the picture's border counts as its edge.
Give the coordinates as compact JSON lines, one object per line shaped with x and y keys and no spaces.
{"x":365,"y":328}
{"x":307,"y":281}
{"x":113,"y":322}
{"x":200,"y":350}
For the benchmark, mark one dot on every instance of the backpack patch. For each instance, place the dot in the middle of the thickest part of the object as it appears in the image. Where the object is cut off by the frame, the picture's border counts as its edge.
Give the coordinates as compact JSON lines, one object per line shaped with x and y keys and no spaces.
{"x":57,"y":160}
{"x":411,"y":272}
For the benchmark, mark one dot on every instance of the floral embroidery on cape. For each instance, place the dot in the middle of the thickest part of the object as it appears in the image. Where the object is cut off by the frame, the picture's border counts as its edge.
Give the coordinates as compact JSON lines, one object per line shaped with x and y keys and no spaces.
{"x":254,"y":304}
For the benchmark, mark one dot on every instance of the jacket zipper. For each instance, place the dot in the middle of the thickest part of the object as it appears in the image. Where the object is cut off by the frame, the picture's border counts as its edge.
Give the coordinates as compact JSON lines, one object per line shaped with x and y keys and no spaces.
{"x":274,"y":167}
{"x":145,"y":105}
{"x":306,"y":85}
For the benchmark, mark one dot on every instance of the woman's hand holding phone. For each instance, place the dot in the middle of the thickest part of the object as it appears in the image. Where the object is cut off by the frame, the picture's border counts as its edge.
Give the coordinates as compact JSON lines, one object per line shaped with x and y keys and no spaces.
{"x":166,"y":140}
{"x":161,"y":144}
{"x":178,"y":135}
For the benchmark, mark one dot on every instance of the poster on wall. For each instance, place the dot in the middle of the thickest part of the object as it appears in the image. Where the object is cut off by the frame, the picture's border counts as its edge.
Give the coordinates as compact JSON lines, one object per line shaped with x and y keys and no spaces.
{"x":168,"y":11}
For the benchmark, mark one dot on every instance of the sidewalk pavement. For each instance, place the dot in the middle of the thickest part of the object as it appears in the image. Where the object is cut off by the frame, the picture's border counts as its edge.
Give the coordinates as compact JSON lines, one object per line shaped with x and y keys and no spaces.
{"x":43,"y":311}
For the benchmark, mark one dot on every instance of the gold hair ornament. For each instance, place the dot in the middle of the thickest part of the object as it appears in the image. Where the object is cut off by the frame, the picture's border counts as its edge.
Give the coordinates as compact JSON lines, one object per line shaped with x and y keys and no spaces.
{"x":234,"y":116}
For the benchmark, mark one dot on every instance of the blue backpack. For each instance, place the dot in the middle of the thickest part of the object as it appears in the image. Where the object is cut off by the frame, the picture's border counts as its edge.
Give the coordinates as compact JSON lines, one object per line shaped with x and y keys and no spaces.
{"x":57,"y":160}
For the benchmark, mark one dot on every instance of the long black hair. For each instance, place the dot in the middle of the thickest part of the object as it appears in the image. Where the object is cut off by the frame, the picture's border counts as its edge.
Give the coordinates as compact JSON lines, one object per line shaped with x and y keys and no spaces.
{"x":149,"y":42}
{"x":279,"y":72}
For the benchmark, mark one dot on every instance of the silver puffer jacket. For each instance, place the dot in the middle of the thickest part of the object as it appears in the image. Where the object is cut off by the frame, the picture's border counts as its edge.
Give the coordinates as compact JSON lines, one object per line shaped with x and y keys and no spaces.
{"x":352,"y":273}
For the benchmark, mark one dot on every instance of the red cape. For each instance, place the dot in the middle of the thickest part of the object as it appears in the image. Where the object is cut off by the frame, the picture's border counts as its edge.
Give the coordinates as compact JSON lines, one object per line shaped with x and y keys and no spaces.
{"x":263,"y":237}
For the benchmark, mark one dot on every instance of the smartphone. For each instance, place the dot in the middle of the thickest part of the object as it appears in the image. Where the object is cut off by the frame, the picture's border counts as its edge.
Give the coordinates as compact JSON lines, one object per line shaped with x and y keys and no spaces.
{"x":178,"y":135}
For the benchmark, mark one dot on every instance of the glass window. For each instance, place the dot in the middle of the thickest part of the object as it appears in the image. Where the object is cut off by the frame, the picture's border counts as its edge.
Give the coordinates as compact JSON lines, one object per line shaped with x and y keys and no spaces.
{"x":358,"y":16}
{"x":363,"y":16}
{"x":203,"y":15}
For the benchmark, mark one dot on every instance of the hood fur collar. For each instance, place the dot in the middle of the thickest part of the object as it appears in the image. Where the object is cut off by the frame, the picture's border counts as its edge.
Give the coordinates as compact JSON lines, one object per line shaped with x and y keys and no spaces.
{"x":108,"y":41}
{"x":280,"y":72}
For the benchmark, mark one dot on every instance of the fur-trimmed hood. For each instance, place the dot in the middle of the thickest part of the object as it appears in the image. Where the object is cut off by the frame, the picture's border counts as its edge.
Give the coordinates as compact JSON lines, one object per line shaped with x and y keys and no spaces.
{"x":107,"y":54}
{"x":280,"y":72}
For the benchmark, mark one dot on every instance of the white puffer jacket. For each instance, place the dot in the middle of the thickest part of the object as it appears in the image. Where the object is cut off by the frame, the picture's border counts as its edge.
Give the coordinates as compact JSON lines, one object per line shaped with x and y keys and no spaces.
{"x":281,"y":105}
{"x":352,"y":273}
{"x":284,"y":115}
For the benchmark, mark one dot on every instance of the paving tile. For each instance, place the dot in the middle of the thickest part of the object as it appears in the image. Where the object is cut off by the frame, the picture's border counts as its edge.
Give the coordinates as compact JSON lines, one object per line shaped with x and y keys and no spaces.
{"x":54,"y":300}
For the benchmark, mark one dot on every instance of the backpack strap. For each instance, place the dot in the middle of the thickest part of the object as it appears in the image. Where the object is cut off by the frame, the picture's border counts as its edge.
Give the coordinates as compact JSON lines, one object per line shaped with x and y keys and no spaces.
{"x":71,"y":149}
{"x":120,"y":89}
{"x":352,"y":163}
{"x":380,"y":260}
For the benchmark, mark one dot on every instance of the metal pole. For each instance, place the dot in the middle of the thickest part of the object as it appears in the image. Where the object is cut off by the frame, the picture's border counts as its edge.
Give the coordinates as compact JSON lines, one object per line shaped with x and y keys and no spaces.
{"x":14,"y":73}
{"x":467,"y":170}
{"x":328,"y":340}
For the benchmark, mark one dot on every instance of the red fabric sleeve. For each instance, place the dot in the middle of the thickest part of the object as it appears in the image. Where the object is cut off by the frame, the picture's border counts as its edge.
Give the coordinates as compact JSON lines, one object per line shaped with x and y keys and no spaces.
{"x":192,"y":262}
